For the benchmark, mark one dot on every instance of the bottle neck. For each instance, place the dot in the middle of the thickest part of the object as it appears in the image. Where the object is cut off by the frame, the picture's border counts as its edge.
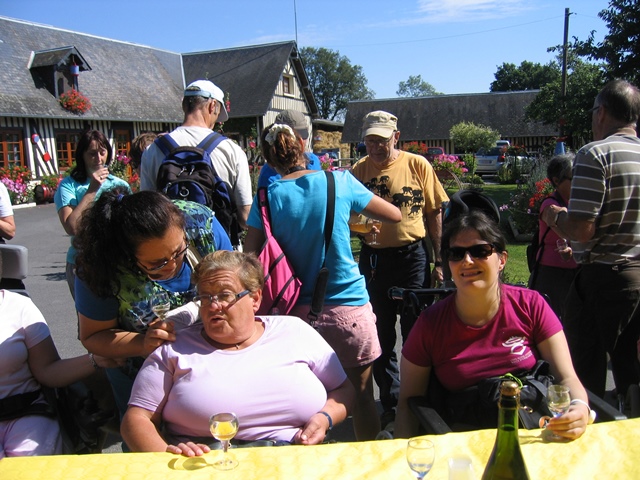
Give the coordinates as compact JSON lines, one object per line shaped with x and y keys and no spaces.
{"x":508,"y":415}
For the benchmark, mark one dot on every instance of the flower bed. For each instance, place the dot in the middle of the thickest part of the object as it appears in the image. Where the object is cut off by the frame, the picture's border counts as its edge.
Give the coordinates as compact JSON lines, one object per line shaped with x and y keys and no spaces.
{"x":16,"y":179}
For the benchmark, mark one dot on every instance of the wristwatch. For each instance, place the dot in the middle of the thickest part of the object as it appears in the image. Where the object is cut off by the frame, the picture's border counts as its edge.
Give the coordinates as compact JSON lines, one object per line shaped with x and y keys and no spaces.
{"x":555,"y":218}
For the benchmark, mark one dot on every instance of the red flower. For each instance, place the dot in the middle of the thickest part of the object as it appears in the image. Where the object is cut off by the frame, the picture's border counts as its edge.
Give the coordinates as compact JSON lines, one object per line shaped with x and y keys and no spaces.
{"x":75,"y":102}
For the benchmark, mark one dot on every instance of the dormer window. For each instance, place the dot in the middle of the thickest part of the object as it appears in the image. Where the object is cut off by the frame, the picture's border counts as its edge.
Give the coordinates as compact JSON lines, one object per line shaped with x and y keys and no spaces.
{"x":287,"y":84}
{"x":58,"y":69}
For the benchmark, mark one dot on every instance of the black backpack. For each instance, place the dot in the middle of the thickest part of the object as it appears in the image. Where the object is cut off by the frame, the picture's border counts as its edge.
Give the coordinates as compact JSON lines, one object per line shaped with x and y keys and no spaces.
{"x":186,"y":173}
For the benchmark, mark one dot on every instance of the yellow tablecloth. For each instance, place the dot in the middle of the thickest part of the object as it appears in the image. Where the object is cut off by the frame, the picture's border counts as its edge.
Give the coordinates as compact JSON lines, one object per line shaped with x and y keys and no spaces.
{"x":607,"y":450}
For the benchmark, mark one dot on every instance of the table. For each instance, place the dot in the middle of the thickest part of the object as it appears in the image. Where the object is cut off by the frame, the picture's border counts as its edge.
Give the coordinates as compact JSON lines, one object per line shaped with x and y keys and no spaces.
{"x":607,"y":450}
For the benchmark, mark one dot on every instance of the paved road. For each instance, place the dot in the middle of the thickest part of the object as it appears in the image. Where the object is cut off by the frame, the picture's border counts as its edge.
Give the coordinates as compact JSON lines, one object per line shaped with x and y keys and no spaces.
{"x":38,"y":229}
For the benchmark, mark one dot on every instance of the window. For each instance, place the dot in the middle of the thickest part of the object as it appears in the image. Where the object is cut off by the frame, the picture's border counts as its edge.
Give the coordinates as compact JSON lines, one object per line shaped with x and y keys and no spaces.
{"x":123,"y":143}
{"x":287,"y":85}
{"x":11,"y":148}
{"x":66,"y":143}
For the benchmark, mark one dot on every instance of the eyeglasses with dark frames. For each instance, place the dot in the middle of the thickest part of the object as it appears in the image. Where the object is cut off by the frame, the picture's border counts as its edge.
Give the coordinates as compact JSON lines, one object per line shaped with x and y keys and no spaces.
{"x":224,"y":299}
{"x":174,"y":258}
{"x":377,"y":143}
{"x":481,"y":251}
{"x":593,"y":109}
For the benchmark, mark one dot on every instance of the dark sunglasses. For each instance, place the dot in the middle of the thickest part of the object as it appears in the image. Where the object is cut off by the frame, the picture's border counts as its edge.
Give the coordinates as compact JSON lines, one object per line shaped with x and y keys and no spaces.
{"x":481,"y":251}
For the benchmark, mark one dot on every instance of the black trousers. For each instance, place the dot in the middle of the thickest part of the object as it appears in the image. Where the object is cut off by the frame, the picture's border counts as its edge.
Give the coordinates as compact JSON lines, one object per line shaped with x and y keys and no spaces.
{"x":405,"y":267}
{"x":602,"y":317}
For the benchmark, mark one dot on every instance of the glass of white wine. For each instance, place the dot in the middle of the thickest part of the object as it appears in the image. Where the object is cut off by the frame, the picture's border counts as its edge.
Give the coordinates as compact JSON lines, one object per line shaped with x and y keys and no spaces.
{"x":420,"y":456}
{"x":558,"y":401}
{"x":160,"y":304}
{"x":362,"y":224}
{"x":224,"y":427}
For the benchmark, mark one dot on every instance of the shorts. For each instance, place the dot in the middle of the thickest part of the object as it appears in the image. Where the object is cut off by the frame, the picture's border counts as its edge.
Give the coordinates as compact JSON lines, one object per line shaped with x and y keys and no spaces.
{"x":349,"y":330}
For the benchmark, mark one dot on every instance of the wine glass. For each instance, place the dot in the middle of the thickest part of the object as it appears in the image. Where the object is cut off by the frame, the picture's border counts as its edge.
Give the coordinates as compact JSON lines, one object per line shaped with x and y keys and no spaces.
{"x":224,"y":427}
{"x":372,"y":222}
{"x":420,"y":456}
{"x":558,"y":401}
{"x":160,"y":304}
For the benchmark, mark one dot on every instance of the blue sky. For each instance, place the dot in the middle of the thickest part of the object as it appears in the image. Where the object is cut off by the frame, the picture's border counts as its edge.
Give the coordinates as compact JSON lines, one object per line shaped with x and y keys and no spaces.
{"x":456,"y":45}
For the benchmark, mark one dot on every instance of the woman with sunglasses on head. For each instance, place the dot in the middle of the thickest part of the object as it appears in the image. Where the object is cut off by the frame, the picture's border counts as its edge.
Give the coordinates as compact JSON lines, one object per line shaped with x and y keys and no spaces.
{"x":130,"y":247}
{"x":282,"y":380}
{"x":485,"y":329}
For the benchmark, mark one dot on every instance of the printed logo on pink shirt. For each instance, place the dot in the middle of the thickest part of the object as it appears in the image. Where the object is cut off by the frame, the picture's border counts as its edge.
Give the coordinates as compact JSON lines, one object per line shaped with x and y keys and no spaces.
{"x":516,"y":345}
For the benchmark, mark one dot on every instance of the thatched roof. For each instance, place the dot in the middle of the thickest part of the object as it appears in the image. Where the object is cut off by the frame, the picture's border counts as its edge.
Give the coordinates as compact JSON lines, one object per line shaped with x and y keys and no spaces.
{"x":125,"y":82}
{"x":431,"y":118}
{"x":250,"y":74}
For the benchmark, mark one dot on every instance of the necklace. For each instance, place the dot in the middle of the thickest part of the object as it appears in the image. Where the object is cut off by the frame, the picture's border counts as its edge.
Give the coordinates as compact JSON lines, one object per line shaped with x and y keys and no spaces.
{"x":295,"y":168}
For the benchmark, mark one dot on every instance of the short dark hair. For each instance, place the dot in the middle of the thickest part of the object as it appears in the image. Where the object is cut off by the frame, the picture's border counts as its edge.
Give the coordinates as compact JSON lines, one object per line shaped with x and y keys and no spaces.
{"x":558,"y":167}
{"x":476,"y":220}
{"x":622,"y":101}
{"x":79,"y":172}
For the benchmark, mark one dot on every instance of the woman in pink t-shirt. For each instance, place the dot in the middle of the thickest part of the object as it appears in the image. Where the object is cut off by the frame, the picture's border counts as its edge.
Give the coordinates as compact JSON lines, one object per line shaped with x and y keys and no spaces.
{"x":556,"y":267}
{"x":484,"y":329}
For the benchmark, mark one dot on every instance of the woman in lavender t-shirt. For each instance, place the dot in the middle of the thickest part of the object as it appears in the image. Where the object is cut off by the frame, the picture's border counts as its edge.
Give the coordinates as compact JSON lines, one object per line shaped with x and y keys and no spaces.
{"x":276,"y":373}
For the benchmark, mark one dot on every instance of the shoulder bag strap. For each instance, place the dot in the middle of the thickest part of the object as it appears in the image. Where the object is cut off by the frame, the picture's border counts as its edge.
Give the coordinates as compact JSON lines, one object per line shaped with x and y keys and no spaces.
{"x":320,"y":289}
{"x":264,"y":210}
{"x":166,"y":143}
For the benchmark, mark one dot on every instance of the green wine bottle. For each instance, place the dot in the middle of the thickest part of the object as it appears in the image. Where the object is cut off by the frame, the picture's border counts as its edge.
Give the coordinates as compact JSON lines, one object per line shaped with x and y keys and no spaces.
{"x":506,"y":461}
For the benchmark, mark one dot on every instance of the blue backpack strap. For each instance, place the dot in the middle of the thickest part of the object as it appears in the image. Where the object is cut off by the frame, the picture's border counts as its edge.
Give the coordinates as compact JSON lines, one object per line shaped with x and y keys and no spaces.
{"x":211,"y":141}
{"x":166,"y":143}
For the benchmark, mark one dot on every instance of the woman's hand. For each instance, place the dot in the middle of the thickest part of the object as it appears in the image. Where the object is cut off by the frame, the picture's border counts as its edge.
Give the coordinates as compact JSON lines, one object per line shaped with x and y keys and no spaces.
{"x":189,"y":449}
{"x":158,"y":332}
{"x":313,"y":431}
{"x":571,"y":424}
{"x":98,"y":178}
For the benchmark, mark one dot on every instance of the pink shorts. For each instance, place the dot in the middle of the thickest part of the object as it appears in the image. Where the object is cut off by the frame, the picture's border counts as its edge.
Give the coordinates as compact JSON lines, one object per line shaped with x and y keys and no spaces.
{"x":351,"y":332}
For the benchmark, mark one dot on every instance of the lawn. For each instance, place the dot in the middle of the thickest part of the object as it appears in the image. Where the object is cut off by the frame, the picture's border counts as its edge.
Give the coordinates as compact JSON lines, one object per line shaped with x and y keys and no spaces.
{"x":516,"y":270}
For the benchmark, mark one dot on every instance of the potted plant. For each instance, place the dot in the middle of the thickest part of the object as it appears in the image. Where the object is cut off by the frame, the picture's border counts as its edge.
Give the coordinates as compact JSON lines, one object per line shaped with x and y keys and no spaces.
{"x":75,"y":102}
{"x":16,"y":179}
{"x":46,"y":189}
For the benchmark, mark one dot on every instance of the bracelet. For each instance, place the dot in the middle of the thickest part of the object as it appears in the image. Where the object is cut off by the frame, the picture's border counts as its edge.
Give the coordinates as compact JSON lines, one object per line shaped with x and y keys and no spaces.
{"x":328,"y":418}
{"x":93,"y":362}
{"x":592,"y":413}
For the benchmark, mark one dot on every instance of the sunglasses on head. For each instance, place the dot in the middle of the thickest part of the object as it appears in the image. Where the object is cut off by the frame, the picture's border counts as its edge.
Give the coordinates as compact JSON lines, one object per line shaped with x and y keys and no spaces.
{"x":481,"y":251}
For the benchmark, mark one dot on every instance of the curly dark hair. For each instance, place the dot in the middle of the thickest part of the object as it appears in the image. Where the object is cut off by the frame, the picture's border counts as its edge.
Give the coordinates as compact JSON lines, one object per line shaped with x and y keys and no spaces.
{"x":113,"y":228}
{"x":286,"y":151}
{"x":79,"y":172}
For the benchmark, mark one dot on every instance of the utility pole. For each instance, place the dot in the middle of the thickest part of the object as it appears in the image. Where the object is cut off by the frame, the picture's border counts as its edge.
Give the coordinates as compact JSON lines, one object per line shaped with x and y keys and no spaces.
{"x":295,"y":19}
{"x":565,"y":48}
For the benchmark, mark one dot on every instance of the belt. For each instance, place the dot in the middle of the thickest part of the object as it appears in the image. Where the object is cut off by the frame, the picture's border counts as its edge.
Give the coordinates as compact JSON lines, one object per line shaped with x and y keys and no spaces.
{"x":410,"y":247}
{"x":614,"y":267}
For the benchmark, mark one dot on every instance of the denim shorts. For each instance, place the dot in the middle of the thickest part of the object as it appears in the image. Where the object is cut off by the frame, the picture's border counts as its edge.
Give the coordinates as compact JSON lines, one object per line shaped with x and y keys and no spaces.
{"x":350,"y":330}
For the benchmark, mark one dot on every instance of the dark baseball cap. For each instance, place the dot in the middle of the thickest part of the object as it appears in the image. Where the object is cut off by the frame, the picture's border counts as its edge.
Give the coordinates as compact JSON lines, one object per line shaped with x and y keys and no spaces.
{"x":295,"y":120}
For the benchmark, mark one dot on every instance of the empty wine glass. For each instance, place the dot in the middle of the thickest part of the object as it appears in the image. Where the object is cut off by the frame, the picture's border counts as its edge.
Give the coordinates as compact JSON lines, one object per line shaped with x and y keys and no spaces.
{"x":160,"y":304}
{"x":420,"y":456}
{"x":224,"y":427}
{"x":558,"y":401}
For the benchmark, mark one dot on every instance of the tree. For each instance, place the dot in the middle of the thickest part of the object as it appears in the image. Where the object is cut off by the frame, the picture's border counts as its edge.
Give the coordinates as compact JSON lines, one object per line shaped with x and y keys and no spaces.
{"x":416,"y":87}
{"x":469,"y":137}
{"x":584,"y":81}
{"x":333,"y":81}
{"x":620,"y":48}
{"x":528,"y":76}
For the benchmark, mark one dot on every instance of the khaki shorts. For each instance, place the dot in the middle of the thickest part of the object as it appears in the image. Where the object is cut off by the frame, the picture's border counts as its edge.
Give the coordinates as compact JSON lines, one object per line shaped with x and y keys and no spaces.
{"x":351,"y":332}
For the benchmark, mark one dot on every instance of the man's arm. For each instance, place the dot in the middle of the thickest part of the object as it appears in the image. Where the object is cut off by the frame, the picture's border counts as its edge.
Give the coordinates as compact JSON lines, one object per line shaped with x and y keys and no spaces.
{"x":574,"y":228}
{"x":7,"y":227}
{"x":433,"y":221}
